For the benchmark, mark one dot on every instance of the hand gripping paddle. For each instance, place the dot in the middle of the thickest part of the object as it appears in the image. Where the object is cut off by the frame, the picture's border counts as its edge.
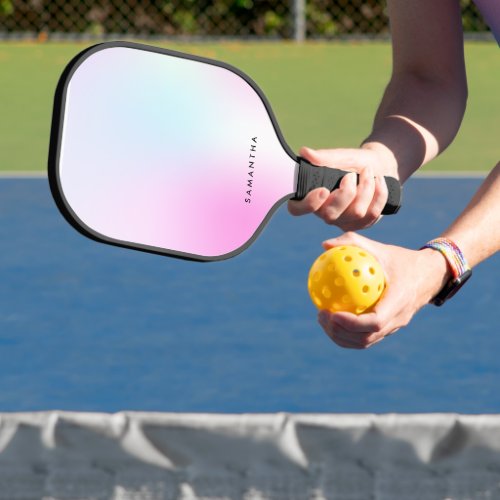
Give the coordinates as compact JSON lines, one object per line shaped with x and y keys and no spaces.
{"x":171,"y":153}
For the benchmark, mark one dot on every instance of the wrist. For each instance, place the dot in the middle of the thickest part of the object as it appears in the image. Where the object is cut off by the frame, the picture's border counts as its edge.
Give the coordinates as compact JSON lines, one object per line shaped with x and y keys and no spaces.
{"x":386,"y":157}
{"x":457,"y":266}
{"x":437,"y":272}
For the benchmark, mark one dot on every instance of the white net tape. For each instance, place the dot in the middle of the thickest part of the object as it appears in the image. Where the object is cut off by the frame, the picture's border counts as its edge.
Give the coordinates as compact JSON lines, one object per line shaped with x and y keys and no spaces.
{"x":160,"y":456}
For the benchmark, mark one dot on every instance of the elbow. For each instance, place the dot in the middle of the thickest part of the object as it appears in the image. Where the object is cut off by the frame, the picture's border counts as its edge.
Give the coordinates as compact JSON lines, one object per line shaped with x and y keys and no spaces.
{"x":453,"y":85}
{"x":446,"y":92}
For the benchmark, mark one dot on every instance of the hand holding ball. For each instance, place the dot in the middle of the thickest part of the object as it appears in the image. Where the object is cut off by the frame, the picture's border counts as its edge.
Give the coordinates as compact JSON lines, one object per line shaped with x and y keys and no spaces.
{"x":346,"y":278}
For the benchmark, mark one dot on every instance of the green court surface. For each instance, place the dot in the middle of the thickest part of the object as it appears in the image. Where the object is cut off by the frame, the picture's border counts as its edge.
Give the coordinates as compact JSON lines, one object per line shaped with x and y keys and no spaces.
{"x":323,"y":94}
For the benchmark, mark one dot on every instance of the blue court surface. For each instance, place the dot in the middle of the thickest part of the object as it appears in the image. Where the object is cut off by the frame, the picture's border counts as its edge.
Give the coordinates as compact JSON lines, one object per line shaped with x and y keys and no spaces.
{"x":90,"y":327}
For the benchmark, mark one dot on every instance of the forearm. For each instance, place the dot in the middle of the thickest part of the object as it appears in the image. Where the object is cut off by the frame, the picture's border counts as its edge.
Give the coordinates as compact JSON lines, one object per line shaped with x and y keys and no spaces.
{"x":477,"y":230}
{"x":424,"y":103}
{"x":416,"y":120}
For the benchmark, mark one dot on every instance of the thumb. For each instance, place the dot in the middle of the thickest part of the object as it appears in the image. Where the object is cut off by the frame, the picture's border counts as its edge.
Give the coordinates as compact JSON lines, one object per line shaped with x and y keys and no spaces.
{"x":311,"y":155}
{"x":352,"y":159}
{"x":349,"y":238}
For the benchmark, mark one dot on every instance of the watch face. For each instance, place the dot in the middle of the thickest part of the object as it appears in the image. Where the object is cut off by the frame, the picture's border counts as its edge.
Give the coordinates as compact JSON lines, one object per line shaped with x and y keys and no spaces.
{"x":451,"y":288}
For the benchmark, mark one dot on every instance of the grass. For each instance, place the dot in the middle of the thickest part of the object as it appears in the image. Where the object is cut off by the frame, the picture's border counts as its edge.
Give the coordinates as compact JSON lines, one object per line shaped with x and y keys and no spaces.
{"x":323,"y":94}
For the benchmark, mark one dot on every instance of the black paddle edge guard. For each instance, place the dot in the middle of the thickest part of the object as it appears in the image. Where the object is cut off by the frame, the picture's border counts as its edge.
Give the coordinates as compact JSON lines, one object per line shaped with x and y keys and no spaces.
{"x":311,"y":177}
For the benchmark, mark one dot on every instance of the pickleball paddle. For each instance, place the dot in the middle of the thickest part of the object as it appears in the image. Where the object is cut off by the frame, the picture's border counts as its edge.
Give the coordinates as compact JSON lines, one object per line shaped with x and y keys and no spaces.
{"x":172,"y":153}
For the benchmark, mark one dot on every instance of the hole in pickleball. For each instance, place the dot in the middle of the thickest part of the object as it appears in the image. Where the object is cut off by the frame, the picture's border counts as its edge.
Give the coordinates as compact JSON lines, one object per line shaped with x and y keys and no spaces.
{"x":363,"y":254}
{"x":317,"y":276}
{"x":366,"y":289}
{"x":360,"y":309}
{"x":331,"y":268}
{"x":348,"y":258}
{"x":339,"y":281}
{"x":326,"y":292}
{"x":379,"y":287}
{"x":372,"y":270}
{"x":356,"y":273}
{"x":317,"y":300}
{"x":346,"y":299}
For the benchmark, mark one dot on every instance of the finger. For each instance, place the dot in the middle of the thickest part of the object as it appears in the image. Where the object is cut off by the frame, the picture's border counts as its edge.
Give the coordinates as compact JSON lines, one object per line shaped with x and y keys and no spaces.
{"x":385,"y":317}
{"x":380,"y":195}
{"x":353,"y":340}
{"x":338,"y":201}
{"x":362,"y":324}
{"x":372,"y":343}
{"x":344,"y":344}
{"x":365,"y":191}
{"x":362,"y":340}
{"x":339,"y":334}
{"x":348,"y":338}
{"x":375,"y":339}
{"x":341,"y":340}
{"x":312,"y":156}
{"x":311,"y":203}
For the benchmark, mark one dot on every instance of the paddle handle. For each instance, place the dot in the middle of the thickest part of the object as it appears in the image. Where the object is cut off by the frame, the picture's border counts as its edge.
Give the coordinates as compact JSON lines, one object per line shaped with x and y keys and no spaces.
{"x":311,"y":177}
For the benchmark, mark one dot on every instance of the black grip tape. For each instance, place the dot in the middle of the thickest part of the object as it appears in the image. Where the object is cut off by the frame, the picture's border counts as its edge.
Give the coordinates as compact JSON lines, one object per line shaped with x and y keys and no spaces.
{"x":312,"y":177}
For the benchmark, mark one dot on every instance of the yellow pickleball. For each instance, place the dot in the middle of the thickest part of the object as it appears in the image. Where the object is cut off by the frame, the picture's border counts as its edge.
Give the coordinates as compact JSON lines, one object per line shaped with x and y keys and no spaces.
{"x":346,"y":278}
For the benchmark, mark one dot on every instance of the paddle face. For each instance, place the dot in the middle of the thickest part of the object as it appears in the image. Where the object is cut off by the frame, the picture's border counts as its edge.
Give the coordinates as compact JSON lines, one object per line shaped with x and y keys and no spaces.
{"x":164,"y":152}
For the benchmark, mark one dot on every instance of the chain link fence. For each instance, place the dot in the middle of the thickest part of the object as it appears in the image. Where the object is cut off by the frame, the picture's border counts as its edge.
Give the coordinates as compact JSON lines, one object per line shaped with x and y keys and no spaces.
{"x":283,"y":19}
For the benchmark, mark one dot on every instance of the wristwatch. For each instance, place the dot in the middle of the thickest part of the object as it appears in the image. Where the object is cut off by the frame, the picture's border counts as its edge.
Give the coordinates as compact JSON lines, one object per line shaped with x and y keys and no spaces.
{"x":460,"y":270}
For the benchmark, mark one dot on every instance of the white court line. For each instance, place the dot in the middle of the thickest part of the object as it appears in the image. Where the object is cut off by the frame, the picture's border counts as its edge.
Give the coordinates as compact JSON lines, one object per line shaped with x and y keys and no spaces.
{"x":23,"y":174}
{"x":453,"y":174}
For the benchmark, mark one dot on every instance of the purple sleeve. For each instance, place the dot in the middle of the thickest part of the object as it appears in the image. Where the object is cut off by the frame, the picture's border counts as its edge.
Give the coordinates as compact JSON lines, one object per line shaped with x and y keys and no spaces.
{"x":490,"y":9}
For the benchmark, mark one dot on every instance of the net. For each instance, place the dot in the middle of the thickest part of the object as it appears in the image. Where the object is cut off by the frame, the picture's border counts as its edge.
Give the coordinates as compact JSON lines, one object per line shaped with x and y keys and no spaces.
{"x":153,"y":456}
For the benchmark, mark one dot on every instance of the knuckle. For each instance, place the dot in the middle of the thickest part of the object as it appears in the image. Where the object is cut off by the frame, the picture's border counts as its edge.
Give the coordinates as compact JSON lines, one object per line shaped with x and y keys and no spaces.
{"x":330,"y":219}
{"x":348,"y":187}
{"x":366,"y":178}
{"x":358,"y":211}
{"x":382,"y":185}
{"x":378,"y":325}
{"x":365,"y":343}
{"x":350,"y":190}
{"x":373,"y":213}
{"x":329,"y":215}
{"x":406,"y":320}
{"x":337,"y":341}
{"x":371,"y":339}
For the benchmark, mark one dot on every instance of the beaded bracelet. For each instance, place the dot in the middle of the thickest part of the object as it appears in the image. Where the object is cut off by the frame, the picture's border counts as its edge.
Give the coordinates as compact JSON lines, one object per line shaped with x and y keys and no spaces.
{"x":460,"y":269}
